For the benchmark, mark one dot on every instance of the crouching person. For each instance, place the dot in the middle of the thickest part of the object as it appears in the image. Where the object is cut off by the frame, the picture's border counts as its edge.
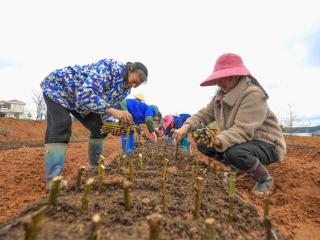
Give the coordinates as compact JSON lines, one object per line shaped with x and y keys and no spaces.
{"x":141,"y":113}
{"x":172,"y":122}
{"x":250,"y":135}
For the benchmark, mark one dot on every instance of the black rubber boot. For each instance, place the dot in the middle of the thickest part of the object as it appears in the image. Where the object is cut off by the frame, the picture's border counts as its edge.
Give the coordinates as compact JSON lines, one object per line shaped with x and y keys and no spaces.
{"x":262,"y":177}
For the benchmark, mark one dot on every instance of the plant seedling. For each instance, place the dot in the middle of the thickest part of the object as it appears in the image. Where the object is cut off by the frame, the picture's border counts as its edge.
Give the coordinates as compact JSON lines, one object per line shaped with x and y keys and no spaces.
{"x":87,"y":191}
{"x":127,"y":198}
{"x":54,"y":191}
{"x":101,"y":171}
{"x":81,"y":170}
{"x":95,"y":228}
{"x":199,"y":187}
{"x":131,"y":171}
{"x":232,"y":192}
{"x":165,"y":168}
{"x":141,"y":164}
{"x":33,"y":223}
{"x":210,"y":229}
{"x":154,"y":221}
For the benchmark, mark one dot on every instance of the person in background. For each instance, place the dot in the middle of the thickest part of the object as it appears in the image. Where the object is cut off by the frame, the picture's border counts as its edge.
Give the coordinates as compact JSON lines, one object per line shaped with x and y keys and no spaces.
{"x":250,"y":136}
{"x":142,"y":113}
{"x":87,"y":92}
{"x":171,"y":122}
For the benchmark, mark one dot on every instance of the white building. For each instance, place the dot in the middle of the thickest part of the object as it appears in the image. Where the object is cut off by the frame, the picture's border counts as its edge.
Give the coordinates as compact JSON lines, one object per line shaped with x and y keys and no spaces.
{"x":13,"y":108}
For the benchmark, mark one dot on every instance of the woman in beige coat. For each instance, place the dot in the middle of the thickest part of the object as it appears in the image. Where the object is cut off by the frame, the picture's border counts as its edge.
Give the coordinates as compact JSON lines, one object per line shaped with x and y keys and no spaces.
{"x":250,"y":135}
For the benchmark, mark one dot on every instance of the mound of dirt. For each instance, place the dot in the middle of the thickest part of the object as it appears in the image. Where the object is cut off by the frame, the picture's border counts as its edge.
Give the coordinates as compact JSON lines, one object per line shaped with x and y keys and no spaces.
{"x":66,"y":220}
{"x":29,"y":133}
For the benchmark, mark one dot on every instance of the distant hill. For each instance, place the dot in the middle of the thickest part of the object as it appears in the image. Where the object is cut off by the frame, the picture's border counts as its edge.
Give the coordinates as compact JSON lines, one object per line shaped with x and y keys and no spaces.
{"x":302,"y":129}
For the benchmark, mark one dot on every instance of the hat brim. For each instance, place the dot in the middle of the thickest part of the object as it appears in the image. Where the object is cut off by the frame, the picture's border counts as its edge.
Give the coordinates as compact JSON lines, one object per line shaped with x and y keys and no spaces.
{"x":227,"y":72}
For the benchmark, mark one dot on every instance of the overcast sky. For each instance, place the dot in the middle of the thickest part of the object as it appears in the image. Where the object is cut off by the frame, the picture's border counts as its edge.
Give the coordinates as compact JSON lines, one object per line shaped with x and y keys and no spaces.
{"x":178,"y":41}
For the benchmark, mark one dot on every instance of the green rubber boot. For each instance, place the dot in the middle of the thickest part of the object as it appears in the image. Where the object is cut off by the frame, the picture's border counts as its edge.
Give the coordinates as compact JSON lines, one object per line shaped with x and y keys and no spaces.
{"x":95,"y":148}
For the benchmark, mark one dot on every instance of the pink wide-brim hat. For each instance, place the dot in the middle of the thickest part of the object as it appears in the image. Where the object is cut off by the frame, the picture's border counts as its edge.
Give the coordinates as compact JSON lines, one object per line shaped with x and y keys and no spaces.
{"x":227,"y":65}
{"x":167,"y":121}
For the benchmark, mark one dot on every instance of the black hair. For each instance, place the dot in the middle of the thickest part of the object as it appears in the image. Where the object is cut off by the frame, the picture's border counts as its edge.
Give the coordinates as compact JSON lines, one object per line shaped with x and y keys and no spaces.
{"x":131,"y":67}
{"x":255,"y":82}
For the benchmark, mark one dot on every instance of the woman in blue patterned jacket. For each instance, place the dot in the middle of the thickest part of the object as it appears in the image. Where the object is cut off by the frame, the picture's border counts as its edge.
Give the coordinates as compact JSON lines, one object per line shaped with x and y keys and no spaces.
{"x":87,"y":92}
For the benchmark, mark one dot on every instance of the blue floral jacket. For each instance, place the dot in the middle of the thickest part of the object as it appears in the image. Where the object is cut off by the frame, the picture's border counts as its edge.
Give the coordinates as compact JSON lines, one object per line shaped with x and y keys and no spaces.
{"x":88,"y":88}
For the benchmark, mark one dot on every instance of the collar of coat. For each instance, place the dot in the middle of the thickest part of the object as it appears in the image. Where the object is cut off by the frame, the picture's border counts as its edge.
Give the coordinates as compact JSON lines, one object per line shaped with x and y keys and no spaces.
{"x":231,"y":97}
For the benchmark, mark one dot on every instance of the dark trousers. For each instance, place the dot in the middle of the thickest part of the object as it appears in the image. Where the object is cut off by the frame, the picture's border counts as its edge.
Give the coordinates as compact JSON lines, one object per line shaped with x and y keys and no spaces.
{"x":243,"y":156}
{"x":59,"y":123}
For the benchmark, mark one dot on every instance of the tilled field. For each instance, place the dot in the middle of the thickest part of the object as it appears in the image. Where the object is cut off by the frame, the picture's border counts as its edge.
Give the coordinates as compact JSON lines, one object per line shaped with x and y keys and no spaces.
{"x":66,"y":220}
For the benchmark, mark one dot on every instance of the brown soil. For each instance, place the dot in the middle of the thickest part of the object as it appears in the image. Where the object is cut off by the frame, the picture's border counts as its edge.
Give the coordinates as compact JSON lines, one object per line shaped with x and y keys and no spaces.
{"x":178,"y":222}
{"x":294,"y":206}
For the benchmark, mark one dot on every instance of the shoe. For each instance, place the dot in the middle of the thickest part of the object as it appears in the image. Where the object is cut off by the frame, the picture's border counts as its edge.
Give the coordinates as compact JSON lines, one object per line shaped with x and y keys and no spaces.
{"x":263,"y":187}
{"x":262,"y":177}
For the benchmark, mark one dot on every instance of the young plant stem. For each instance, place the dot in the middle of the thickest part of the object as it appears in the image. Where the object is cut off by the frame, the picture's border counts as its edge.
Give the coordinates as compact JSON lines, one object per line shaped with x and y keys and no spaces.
{"x":177,"y":151}
{"x":165,"y":168}
{"x":193,"y":175}
{"x":131,"y":171}
{"x":232,"y":192}
{"x":101,"y":160}
{"x":102,"y":171}
{"x":127,"y":137}
{"x":95,"y":227}
{"x":141,"y":165}
{"x":85,"y":197}
{"x":210,"y":229}
{"x":33,"y":223}
{"x":127,"y":198}
{"x":79,"y":177}
{"x":163,"y":194}
{"x":125,"y":159}
{"x":154,"y":221}
{"x":198,"y":191}
{"x":266,"y":206}
{"x":165,"y":149}
{"x":268,"y":228}
{"x":119,"y":164}
{"x":54,"y":191}
{"x":197,"y":168}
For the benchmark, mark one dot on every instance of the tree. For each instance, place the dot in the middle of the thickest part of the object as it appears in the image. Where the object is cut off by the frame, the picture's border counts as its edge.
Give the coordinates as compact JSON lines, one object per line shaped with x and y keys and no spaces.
{"x":291,"y":119}
{"x":38,"y":99}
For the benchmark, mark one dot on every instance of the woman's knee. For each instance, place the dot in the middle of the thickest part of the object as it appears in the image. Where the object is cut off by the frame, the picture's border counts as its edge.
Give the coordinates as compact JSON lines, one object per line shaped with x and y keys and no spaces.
{"x":239,"y":158}
{"x":59,"y":131}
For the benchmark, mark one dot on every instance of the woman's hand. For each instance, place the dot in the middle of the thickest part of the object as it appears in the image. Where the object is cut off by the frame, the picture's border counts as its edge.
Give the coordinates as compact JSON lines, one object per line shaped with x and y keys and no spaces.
{"x":181,"y":132}
{"x":124,"y":116}
{"x":217,"y":142}
{"x":153,"y":136}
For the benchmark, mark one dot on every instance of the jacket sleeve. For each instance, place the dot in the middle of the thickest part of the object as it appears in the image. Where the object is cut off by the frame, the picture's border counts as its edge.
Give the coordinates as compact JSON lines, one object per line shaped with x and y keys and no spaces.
{"x":149,"y":114}
{"x":123,"y":105}
{"x":250,"y":116}
{"x":149,"y":122}
{"x":203,"y":117}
